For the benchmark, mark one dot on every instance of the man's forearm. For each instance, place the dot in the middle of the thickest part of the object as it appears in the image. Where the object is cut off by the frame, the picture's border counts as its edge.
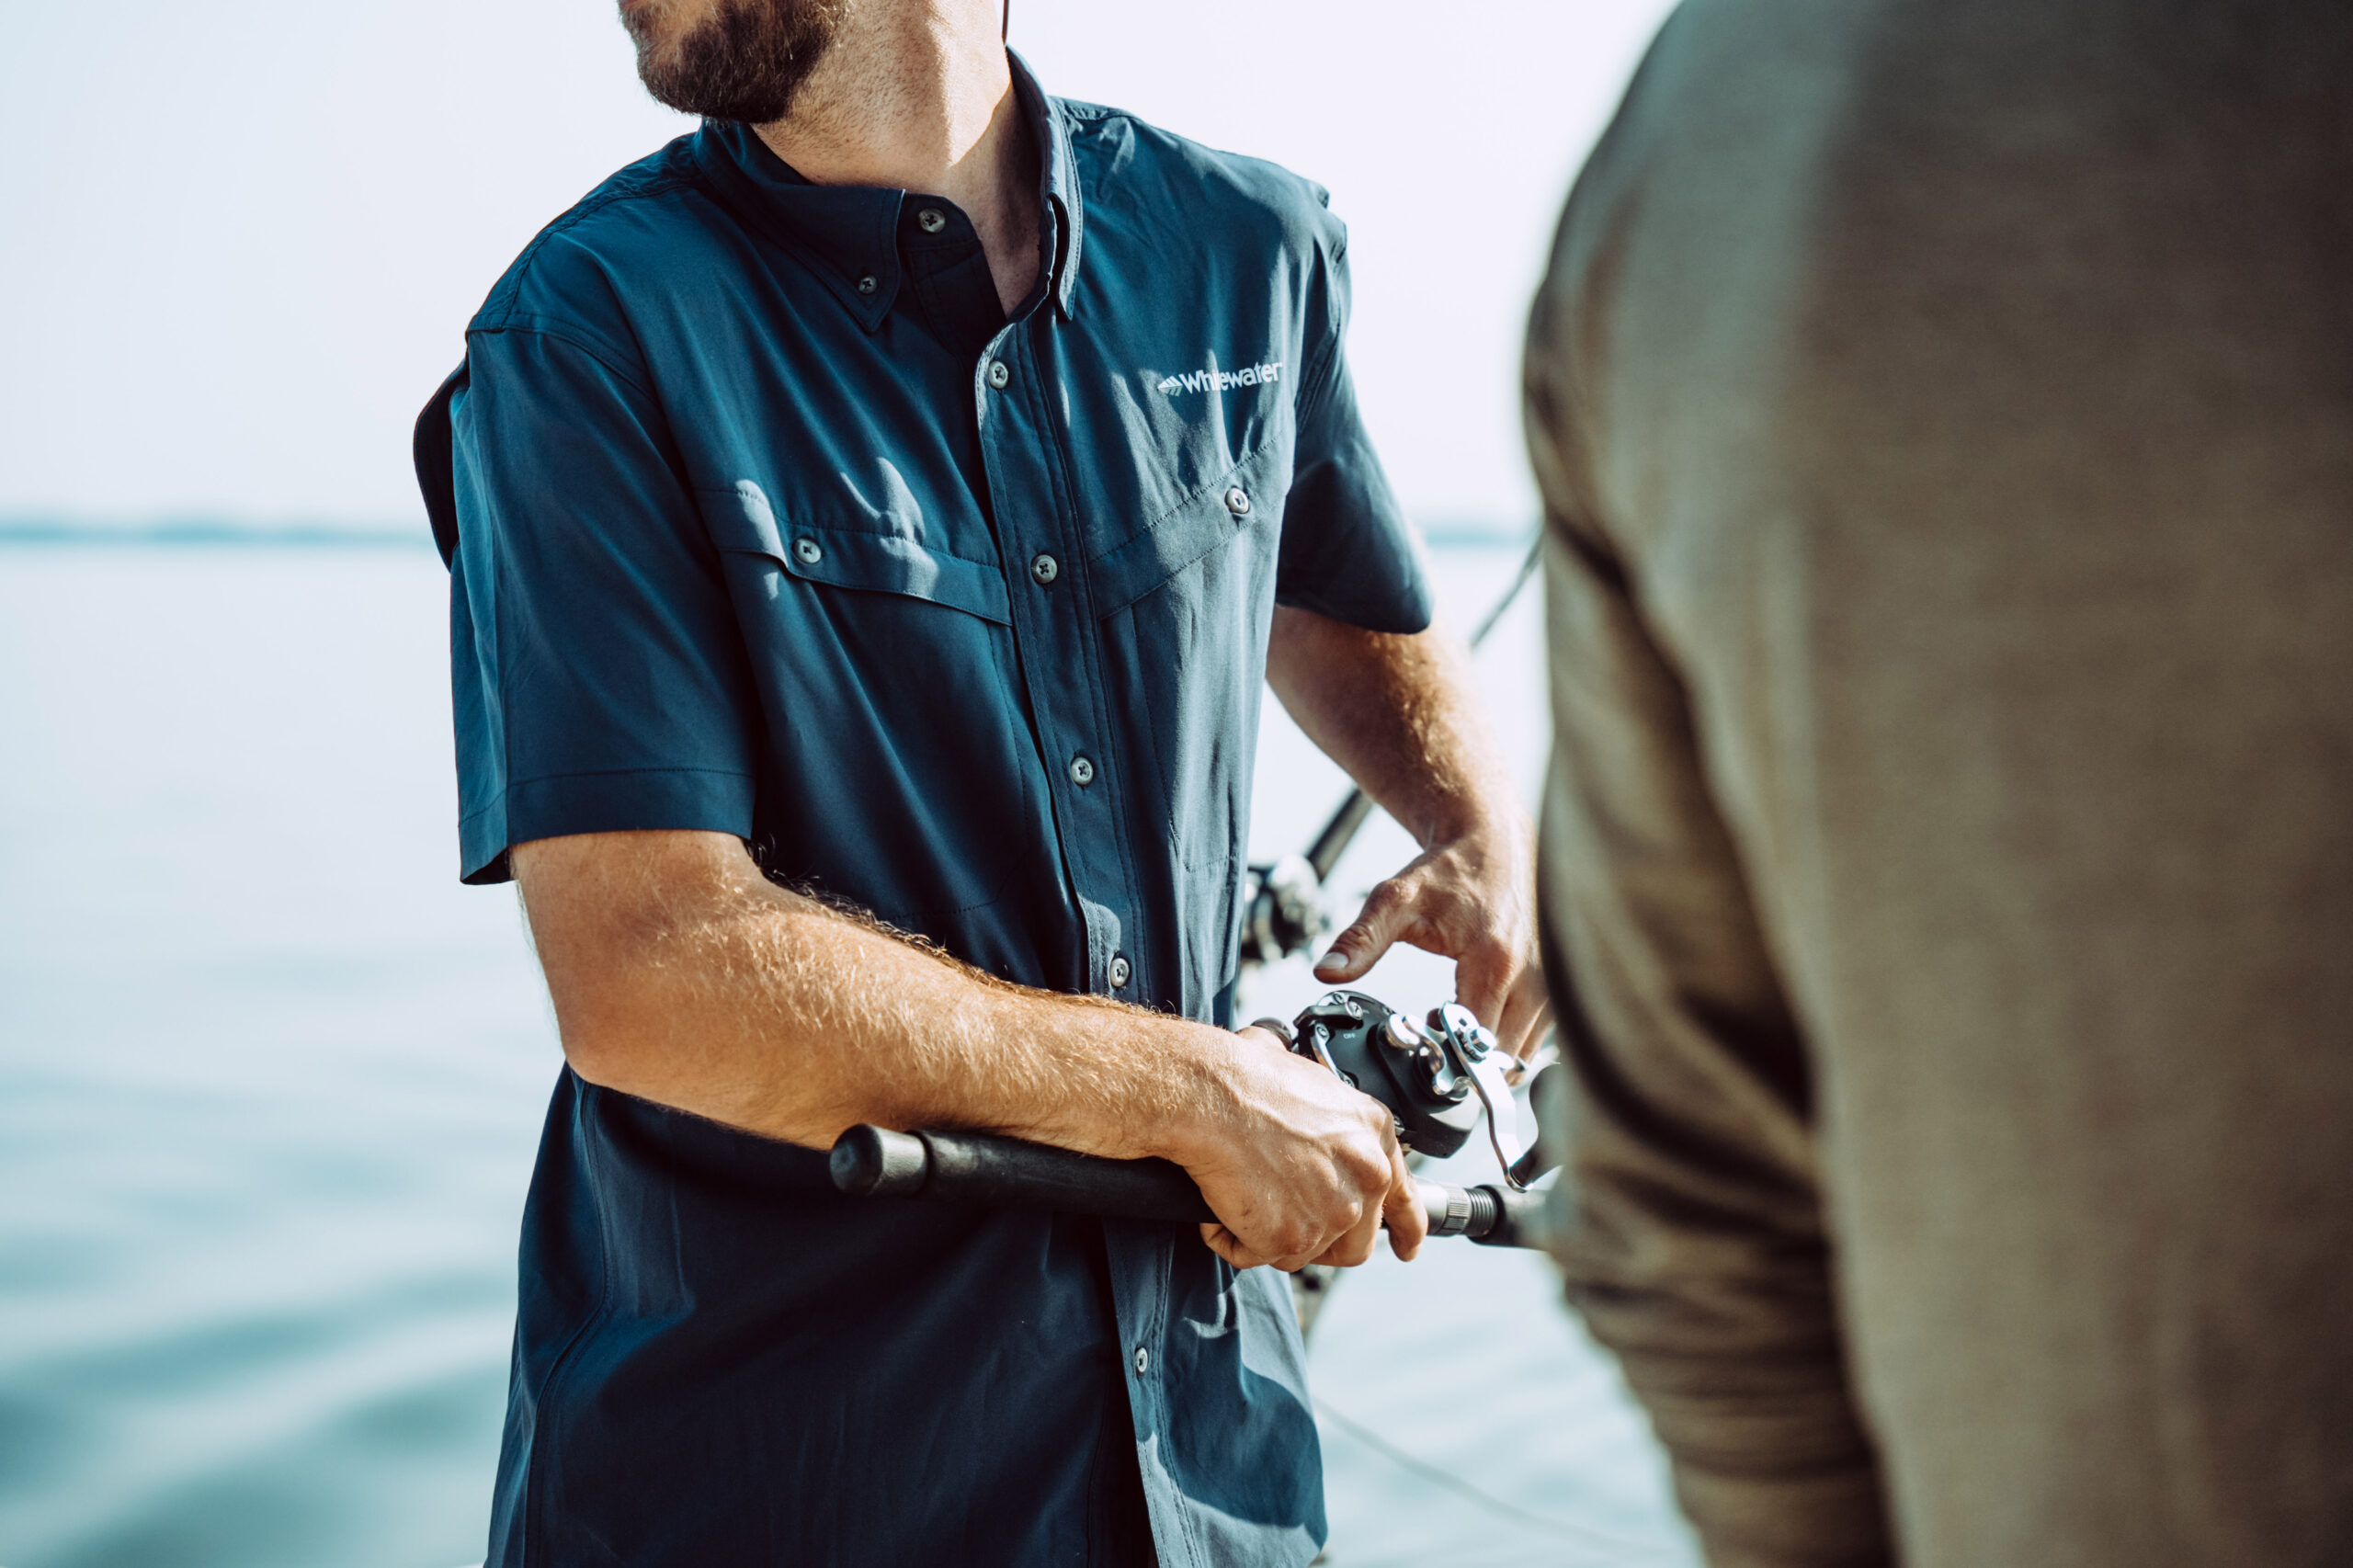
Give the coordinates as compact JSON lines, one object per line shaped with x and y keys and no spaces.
{"x":683,"y":975}
{"x":1399,"y":714}
{"x":680,"y":974}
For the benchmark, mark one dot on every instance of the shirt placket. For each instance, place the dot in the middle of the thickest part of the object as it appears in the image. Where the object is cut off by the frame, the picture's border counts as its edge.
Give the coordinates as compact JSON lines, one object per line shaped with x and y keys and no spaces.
{"x":1058,"y":653}
{"x":1056,"y":650}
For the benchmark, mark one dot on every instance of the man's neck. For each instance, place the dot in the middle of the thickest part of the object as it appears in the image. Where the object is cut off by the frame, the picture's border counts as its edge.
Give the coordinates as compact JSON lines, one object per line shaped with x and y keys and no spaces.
{"x":919,"y":96}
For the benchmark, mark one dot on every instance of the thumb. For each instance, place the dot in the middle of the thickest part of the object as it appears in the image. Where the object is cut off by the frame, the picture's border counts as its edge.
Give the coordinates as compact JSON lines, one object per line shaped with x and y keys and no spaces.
{"x":1355,"y":950}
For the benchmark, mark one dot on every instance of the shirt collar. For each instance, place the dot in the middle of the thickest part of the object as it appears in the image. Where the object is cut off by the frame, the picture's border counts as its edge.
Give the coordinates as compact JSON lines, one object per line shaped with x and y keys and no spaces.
{"x":1058,"y":178}
{"x":852,"y":230}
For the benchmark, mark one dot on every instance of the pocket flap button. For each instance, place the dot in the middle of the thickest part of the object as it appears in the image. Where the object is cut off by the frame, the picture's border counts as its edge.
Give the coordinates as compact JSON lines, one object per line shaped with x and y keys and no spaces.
{"x":808,"y":552}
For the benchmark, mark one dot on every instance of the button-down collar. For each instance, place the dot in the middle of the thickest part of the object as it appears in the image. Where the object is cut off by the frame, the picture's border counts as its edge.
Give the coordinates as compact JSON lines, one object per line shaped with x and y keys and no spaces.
{"x":851,"y":231}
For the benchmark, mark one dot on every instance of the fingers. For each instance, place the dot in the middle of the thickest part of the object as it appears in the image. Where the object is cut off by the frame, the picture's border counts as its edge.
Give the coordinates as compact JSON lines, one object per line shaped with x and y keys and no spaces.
{"x":1229,"y":1246}
{"x":1356,"y":1242}
{"x":1483,"y":973}
{"x":1401,"y":1210}
{"x":1388,"y":911}
{"x":1527,"y":1015}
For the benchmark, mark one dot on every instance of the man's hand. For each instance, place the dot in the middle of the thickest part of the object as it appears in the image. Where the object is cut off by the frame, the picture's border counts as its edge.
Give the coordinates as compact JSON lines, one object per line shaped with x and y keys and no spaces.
{"x":1399,"y":713}
{"x":1299,"y":1167}
{"x":1474,"y":900}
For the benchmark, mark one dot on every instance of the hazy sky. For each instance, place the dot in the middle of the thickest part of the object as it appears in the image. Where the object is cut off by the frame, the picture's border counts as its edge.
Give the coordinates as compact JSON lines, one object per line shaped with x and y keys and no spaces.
{"x":239,"y":243}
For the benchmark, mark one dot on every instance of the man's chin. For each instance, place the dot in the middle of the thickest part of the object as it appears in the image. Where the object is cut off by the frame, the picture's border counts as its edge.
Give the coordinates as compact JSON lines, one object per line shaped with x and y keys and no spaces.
{"x":736,"y":60}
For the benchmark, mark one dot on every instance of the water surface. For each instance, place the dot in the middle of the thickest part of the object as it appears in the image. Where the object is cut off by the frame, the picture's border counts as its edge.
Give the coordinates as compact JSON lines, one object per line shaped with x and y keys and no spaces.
{"x":271,"y":1082}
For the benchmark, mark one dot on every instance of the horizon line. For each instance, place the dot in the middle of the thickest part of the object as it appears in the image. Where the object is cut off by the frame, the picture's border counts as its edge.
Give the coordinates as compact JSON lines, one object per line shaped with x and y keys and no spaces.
{"x":199,"y":531}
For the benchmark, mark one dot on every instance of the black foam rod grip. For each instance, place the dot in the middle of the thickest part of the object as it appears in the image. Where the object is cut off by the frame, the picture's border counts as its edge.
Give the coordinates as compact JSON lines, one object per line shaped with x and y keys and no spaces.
{"x":1011,"y":1173}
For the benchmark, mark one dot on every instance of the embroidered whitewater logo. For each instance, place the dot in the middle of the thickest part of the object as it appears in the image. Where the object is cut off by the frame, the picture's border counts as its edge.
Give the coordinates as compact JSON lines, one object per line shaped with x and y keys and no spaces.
{"x":1215,"y":379}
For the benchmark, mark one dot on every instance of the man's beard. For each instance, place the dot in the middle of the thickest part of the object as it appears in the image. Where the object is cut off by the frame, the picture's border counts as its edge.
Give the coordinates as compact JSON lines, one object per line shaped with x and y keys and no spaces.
{"x":744,"y":63}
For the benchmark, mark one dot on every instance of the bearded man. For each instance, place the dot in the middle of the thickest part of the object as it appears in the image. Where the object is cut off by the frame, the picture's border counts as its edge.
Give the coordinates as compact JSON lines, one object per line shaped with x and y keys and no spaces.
{"x":874,"y":516}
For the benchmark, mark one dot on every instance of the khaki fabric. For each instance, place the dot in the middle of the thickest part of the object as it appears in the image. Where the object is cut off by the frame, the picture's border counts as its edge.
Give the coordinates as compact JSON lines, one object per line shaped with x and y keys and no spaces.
{"x":1944,"y":412}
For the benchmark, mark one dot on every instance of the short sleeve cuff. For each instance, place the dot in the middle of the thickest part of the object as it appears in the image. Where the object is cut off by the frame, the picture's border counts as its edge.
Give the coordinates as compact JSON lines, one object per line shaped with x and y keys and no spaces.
{"x":638,"y":800}
{"x":1349,"y":556}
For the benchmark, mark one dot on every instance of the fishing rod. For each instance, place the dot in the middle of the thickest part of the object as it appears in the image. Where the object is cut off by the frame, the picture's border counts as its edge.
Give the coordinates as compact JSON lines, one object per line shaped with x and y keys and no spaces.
{"x":1440,"y":1080}
{"x":1283,"y":908}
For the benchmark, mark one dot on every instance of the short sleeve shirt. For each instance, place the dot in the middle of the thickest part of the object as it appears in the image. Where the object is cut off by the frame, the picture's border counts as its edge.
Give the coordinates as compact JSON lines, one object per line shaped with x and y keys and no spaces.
{"x":763,"y":517}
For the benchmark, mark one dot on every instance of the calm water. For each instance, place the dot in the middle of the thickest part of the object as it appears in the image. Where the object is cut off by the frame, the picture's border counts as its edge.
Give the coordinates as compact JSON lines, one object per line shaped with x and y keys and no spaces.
{"x":270,"y":1081}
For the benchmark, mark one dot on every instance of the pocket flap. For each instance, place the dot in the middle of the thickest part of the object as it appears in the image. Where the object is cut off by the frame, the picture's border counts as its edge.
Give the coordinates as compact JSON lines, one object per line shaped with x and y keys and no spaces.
{"x":856,"y":557}
{"x":1205,"y":523}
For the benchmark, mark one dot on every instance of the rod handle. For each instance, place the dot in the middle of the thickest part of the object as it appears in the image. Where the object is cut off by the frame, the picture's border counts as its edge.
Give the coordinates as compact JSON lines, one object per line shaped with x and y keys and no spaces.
{"x":996,"y":1172}
{"x":1011,"y":1173}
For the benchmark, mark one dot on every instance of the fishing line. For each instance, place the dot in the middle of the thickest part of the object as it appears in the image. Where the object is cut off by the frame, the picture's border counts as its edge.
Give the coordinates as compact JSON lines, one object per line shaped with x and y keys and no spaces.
{"x":1519,"y":580}
{"x":1484,"y":1498}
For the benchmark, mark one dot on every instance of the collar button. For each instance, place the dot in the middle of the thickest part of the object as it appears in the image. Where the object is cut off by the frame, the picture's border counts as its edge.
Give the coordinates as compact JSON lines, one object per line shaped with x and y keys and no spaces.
{"x":931,"y":219}
{"x":868,"y":284}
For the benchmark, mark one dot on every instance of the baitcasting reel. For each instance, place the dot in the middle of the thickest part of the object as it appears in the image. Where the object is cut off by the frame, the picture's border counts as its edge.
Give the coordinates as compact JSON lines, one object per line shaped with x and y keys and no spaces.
{"x":1436,"y":1078}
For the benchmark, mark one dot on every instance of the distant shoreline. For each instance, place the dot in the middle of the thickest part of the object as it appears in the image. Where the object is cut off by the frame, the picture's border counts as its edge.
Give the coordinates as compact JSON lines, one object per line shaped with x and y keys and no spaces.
{"x":209,"y":534}
{"x":202,"y":534}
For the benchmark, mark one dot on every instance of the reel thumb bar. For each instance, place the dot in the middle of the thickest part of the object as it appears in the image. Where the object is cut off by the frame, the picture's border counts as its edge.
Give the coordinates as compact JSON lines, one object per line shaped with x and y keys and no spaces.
{"x":993,"y":1172}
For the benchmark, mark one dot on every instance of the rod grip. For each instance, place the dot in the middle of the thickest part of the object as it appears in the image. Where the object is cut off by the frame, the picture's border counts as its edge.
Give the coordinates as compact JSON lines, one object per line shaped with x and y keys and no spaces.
{"x":989,"y":1171}
{"x":996,"y":1172}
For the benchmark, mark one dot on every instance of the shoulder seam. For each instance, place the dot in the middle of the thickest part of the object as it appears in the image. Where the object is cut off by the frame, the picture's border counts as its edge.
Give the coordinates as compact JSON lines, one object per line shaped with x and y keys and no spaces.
{"x":587,"y":207}
{"x":579,"y":337}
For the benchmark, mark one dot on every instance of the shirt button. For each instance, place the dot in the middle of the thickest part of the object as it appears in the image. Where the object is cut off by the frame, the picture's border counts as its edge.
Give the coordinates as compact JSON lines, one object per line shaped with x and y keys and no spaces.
{"x":999,"y":374}
{"x":1045,"y":569}
{"x":808,"y":550}
{"x":1237,"y":501}
{"x":1082,"y":772}
{"x":1120,"y":973}
{"x":868,"y":284}
{"x":931,"y":219}
{"x":1144,"y":1359}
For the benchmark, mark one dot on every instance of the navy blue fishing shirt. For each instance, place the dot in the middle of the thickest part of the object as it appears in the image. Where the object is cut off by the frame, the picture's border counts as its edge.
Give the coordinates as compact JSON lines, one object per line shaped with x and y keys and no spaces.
{"x":762,"y":518}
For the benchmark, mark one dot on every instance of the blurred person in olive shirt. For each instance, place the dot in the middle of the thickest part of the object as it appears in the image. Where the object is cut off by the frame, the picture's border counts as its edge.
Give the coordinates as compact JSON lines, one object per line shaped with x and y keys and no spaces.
{"x":1944,"y":414}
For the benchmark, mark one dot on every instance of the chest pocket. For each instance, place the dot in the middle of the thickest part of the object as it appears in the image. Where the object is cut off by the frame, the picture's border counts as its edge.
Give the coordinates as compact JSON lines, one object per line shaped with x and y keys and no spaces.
{"x":1186,"y":605}
{"x":898,"y":768}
